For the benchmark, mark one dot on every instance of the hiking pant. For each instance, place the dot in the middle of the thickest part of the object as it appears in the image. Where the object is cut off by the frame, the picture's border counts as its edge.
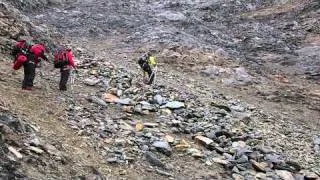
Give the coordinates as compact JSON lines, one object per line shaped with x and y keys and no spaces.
{"x":65,"y":73}
{"x":29,"y":74}
{"x":146,"y":67}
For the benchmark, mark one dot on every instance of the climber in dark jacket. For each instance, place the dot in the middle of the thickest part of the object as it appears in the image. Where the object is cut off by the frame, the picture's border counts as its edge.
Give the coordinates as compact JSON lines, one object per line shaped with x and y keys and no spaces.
{"x":147,"y":64}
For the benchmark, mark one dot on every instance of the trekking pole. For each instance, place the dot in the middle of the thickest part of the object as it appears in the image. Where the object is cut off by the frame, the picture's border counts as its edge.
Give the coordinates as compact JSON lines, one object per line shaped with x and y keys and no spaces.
{"x":72,"y":79}
{"x":42,"y":76}
{"x":153,"y":74}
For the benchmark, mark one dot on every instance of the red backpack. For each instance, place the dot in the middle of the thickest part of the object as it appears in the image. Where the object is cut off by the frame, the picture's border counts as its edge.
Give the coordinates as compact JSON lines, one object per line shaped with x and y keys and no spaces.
{"x":60,"y":58}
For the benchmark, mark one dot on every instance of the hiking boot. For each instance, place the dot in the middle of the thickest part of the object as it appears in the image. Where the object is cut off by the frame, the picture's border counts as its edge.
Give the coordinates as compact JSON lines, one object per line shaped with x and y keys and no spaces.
{"x":27,"y":88}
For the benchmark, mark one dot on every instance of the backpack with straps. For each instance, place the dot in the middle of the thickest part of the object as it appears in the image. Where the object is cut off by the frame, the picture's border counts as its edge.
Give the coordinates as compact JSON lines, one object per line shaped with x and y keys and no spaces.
{"x":60,"y":58}
{"x":21,"y":47}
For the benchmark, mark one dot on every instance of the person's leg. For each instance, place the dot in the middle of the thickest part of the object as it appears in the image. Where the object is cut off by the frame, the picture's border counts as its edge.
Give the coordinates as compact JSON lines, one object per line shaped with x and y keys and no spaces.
{"x":64,"y":79}
{"x":148,"y":69}
{"x":29,"y":74}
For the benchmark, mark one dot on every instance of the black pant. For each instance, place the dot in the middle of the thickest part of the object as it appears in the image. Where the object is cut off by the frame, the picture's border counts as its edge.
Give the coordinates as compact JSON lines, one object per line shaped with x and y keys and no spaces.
{"x":148,"y":69}
{"x":29,"y":74}
{"x":64,"y":79}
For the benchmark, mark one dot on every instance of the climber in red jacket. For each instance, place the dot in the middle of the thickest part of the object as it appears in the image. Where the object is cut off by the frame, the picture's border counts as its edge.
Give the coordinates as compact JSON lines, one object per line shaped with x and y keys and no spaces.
{"x":27,"y":61}
{"x":63,"y":60}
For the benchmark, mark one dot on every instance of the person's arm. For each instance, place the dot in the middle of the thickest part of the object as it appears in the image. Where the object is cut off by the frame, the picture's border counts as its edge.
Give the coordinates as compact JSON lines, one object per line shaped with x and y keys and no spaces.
{"x":43,"y":56}
{"x":70,"y":60}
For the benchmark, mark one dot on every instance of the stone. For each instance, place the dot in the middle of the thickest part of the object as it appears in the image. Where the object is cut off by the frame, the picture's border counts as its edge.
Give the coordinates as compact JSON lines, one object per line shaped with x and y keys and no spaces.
{"x":110,"y":98}
{"x":91,"y":81}
{"x":316,"y":140}
{"x":15,"y":152}
{"x":169,"y":139}
{"x":176,"y":122}
{"x":146,"y":106}
{"x":98,"y":101}
{"x":125,"y":126}
{"x":195,"y":153}
{"x":173,"y":16}
{"x":182,"y":145}
{"x":150,"y":125}
{"x":259,"y":166}
{"x":309,"y":175}
{"x":128,"y":109}
{"x":174,"y":105}
{"x":242,"y":159}
{"x":239,"y":144}
{"x":35,"y":149}
{"x":285,"y":175}
{"x":159,"y":99}
{"x":163,"y":147}
{"x":112,"y":160}
{"x":237,"y":177}
{"x":261,"y":176}
{"x":52,"y":150}
{"x":203,"y":140}
{"x":220,"y":161}
{"x":166,"y":111}
{"x":238,"y":108}
{"x":153,"y":160}
{"x":125,"y":101}
{"x":139,"y":126}
{"x":163,"y":173}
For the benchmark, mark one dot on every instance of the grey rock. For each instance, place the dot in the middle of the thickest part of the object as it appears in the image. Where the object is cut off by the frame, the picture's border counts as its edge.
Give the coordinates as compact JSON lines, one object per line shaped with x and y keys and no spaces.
{"x":203,"y":140}
{"x":112,"y":160}
{"x":243,"y":159}
{"x":159,"y":99}
{"x":145,"y":148}
{"x":173,"y":16}
{"x":259,"y":166}
{"x":285,"y":175}
{"x":309,"y":175}
{"x":238,"y":108}
{"x":163,"y":173}
{"x":91,"y":82}
{"x":152,"y":158}
{"x":146,"y":106}
{"x":163,"y":147}
{"x":220,"y":161}
{"x":174,"y":105}
{"x":98,"y":101}
{"x":125,"y":101}
{"x":316,"y":140}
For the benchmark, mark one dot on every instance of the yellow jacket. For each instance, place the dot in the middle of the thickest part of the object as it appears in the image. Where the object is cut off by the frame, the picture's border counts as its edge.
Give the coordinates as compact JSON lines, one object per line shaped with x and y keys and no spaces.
{"x":152,"y":61}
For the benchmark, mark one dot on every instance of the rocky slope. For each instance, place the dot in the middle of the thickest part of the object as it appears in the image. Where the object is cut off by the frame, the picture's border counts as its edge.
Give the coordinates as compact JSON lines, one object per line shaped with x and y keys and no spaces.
{"x":231,"y":99}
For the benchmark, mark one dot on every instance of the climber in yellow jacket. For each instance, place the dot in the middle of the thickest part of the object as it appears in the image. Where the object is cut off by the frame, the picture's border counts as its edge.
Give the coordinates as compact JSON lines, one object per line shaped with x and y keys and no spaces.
{"x":148,"y":64}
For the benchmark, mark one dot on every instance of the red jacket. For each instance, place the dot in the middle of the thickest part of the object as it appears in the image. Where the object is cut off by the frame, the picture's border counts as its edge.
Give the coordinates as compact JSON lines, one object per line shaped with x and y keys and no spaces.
{"x":71,"y":63}
{"x":38,"y":51}
{"x":19,"y":61}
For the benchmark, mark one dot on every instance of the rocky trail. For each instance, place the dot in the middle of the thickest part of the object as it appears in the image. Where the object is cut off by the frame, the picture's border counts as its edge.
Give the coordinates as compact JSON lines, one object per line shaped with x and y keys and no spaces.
{"x":236,"y":93}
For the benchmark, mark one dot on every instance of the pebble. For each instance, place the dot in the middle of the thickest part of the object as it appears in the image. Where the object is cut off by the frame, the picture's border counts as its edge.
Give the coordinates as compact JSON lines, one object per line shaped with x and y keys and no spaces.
{"x":98,"y":101}
{"x":259,"y":166}
{"x":15,"y":152}
{"x":220,"y":161}
{"x":163,"y":173}
{"x":35,"y":149}
{"x":174,"y":105}
{"x":203,"y":140}
{"x":163,"y":147}
{"x":152,"y":158}
{"x":285,"y":175}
